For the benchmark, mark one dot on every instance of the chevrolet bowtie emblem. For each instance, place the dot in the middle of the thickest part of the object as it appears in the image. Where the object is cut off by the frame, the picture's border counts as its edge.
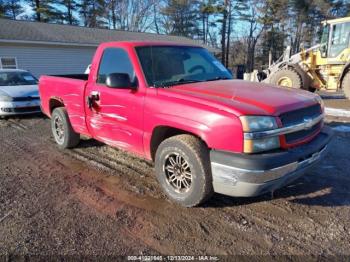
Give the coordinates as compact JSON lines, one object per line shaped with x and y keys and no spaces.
{"x":308,"y":123}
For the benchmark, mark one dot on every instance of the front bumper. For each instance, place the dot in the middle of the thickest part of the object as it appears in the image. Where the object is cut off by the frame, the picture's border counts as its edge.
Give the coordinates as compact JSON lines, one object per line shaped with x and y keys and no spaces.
{"x":19,"y":108}
{"x":244,"y":175}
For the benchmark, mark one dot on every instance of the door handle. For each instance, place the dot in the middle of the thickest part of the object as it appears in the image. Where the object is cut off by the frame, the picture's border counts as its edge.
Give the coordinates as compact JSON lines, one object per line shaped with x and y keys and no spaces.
{"x":93,"y":97}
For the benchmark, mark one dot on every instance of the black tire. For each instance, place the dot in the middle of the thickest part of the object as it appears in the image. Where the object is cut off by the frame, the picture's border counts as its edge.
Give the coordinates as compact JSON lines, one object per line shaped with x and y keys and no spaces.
{"x":62,"y":130}
{"x":345,"y":85}
{"x":195,"y":153}
{"x":282,"y":76}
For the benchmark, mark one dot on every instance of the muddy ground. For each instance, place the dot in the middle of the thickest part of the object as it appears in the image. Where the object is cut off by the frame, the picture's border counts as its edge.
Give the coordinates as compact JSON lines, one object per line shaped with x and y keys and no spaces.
{"x":96,"y":200}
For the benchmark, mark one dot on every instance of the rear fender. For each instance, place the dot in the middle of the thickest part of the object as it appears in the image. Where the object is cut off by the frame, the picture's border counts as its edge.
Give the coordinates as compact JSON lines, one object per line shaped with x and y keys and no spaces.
{"x":54,"y":102}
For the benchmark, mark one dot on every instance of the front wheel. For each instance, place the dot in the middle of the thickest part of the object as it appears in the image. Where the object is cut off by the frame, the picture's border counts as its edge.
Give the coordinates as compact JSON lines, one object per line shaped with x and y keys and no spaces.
{"x":62,"y":129}
{"x":183,"y":170}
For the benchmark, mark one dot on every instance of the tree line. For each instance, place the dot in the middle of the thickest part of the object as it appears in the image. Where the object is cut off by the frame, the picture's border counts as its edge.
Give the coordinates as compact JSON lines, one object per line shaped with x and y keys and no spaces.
{"x":247,"y":32}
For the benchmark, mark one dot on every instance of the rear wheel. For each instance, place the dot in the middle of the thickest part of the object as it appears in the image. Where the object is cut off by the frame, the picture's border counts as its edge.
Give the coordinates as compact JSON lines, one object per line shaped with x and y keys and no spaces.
{"x":62,"y":129}
{"x":346,"y":85}
{"x":287,"y":78}
{"x":183,"y":170}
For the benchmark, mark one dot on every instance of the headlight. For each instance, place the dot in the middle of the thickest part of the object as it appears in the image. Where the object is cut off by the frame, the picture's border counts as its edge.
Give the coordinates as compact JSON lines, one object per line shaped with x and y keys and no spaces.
{"x":258,"y":123}
{"x":259,"y":145}
{"x":6,"y":98}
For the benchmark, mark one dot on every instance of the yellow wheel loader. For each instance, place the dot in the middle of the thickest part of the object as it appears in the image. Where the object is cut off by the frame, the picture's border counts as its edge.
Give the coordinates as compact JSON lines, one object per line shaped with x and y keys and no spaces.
{"x":325,"y":66}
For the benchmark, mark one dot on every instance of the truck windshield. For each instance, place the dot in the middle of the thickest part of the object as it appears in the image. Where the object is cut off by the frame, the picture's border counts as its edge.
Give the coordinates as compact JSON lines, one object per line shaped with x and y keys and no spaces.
{"x":166,"y":66}
{"x":17,"y":79}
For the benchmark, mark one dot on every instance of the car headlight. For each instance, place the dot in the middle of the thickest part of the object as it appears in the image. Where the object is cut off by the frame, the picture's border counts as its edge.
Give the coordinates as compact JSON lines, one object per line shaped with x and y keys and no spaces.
{"x":259,"y":124}
{"x":260,"y":145}
{"x":6,"y":98}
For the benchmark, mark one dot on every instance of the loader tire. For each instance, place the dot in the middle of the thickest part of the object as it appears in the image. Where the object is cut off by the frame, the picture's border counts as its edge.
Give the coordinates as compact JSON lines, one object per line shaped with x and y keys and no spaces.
{"x":346,"y":85}
{"x":287,"y":78}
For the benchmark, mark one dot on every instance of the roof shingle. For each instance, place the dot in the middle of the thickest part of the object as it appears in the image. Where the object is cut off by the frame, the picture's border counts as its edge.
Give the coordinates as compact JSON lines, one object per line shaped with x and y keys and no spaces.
{"x":67,"y":34}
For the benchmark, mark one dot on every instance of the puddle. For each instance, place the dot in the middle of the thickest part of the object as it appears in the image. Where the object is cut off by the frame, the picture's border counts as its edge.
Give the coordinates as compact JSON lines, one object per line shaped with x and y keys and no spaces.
{"x":342,"y":128}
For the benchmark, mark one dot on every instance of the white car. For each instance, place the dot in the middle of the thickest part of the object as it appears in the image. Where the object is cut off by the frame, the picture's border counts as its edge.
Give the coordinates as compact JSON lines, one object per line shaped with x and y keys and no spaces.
{"x":19,"y":93}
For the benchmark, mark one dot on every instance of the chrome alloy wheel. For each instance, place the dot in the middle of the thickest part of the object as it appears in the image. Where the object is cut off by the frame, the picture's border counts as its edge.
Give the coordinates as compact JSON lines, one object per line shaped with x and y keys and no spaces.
{"x":178,"y":172}
{"x":59,"y":129}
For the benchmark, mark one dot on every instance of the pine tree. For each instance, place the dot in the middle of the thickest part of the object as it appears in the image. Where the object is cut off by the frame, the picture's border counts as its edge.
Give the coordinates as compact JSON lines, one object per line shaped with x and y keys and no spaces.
{"x":181,"y":17}
{"x":207,"y":10}
{"x":93,"y":13}
{"x":45,"y":10}
{"x":69,"y":7}
{"x":13,"y":8}
{"x":2,"y":9}
{"x":223,"y":10}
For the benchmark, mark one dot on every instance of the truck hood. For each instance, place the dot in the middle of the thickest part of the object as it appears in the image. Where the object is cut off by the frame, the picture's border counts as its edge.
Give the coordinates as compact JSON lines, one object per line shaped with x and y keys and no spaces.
{"x":20,"y":91}
{"x":246,"y":98}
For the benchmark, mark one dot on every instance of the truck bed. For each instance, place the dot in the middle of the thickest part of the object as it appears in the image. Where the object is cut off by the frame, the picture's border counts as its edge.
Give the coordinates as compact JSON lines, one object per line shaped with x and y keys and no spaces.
{"x":67,"y":90}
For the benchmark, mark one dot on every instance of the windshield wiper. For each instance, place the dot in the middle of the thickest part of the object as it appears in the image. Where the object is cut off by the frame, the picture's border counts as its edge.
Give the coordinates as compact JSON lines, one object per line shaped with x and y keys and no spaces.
{"x":177,"y":82}
{"x":218,"y":78}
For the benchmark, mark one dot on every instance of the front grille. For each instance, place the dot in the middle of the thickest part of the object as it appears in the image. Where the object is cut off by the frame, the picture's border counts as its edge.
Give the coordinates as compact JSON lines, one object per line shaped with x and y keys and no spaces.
{"x":26,"y":109}
{"x":296,"y":117}
{"x":25,"y":98}
{"x":300,"y":135}
{"x":21,"y":109}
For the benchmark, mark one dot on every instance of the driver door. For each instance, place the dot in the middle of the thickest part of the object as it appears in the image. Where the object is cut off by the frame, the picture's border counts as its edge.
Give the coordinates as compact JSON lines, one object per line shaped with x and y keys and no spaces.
{"x":115,"y":116}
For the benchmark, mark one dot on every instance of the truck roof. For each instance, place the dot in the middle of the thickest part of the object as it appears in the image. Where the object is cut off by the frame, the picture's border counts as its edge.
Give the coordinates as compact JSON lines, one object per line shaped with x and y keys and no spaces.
{"x":148,"y":43}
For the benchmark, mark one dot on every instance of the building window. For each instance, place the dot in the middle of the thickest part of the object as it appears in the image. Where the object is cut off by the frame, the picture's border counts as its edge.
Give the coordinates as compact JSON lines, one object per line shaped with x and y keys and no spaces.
{"x":8,"y":63}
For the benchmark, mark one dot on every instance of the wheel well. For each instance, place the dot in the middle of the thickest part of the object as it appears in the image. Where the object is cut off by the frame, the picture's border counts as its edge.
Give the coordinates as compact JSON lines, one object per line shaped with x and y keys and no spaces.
{"x":161,"y":133}
{"x":54,"y":103}
{"x":344,"y":72}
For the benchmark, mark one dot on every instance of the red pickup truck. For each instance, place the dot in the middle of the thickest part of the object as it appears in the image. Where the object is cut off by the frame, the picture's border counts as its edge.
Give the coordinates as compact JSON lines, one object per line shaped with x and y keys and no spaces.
{"x":178,"y":106}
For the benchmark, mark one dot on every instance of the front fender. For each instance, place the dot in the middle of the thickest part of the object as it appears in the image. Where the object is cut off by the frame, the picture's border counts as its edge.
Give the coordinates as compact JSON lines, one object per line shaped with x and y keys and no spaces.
{"x":219,"y":132}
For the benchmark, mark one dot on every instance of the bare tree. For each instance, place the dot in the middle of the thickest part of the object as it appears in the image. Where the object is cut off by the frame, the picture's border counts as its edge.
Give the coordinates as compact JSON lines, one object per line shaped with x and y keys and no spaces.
{"x":223,"y":30}
{"x":131,"y":15}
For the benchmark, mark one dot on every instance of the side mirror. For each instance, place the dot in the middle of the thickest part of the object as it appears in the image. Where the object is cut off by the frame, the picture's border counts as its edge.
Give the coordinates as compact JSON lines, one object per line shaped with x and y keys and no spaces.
{"x":121,"y":81}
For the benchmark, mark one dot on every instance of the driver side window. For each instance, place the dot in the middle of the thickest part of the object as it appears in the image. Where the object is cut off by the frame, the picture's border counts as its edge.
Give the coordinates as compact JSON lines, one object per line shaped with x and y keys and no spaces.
{"x":114,"y":60}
